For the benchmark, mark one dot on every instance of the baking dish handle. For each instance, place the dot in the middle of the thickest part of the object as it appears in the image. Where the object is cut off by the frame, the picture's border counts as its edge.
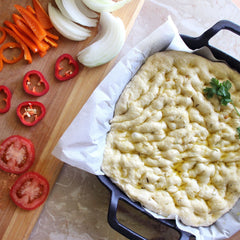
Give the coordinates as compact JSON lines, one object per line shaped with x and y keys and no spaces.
{"x":115,"y":224}
{"x":203,"y":40}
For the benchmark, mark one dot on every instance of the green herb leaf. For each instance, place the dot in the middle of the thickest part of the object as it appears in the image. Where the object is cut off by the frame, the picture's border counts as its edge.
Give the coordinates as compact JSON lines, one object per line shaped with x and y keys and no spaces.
{"x":225,"y":100}
{"x":227,"y":84}
{"x":238,"y":131}
{"x":214,"y":82}
{"x":210,"y":92}
{"x":221,"y":90}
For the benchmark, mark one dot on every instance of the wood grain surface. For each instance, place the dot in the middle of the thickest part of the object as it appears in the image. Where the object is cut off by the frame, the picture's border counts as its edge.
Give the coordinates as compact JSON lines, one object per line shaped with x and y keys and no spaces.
{"x":62,"y":102}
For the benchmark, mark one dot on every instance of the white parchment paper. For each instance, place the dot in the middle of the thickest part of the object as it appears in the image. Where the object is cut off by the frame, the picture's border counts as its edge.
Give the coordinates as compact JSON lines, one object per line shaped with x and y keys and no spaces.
{"x":82,"y":144}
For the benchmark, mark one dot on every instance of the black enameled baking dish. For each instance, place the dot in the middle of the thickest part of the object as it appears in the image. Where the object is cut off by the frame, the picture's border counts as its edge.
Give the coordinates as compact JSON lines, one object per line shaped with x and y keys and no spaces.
{"x":116,"y":194}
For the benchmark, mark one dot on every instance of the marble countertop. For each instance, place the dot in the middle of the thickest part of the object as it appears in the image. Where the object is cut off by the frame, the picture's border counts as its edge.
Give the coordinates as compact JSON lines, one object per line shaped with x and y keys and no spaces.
{"x":78,"y":204}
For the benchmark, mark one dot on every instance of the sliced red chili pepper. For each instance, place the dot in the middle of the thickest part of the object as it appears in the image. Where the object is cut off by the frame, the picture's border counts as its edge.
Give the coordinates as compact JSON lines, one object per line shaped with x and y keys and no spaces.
{"x":30,"y":112}
{"x":30,"y":190}
{"x":34,"y":83}
{"x":5,"y":99}
{"x":16,"y":154}
{"x":11,"y":45}
{"x":3,"y":36}
{"x":60,"y":72}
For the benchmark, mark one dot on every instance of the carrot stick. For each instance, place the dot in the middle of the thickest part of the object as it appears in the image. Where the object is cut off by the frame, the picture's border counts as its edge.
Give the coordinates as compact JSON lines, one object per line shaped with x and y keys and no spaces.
{"x":42,"y":54}
{"x":42,"y":16}
{"x":51,"y":42}
{"x":27,"y":54}
{"x":32,"y":22}
{"x":53,"y":36}
{"x":17,"y":17}
{"x":30,"y":9}
{"x":42,"y":46}
{"x":24,"y":38}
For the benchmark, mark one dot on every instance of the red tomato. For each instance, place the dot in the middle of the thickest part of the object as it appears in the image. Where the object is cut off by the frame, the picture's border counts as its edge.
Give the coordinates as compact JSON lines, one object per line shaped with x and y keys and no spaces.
{"x":30,"y":190}
{"x":16,"y":154}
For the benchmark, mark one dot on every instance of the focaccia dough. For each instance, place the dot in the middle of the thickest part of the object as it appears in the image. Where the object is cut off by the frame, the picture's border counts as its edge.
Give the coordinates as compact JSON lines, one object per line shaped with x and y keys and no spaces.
{"x":172,"y":149}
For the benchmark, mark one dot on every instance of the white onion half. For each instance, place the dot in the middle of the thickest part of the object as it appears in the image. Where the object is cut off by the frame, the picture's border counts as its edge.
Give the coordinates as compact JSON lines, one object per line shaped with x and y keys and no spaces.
{"x":62,"y":9}
{"x":65,"y":26}
{"x":108,"y":43}
{"x":85,"y":10}
{"x":76,"y":15}
{"x":104,"y":5}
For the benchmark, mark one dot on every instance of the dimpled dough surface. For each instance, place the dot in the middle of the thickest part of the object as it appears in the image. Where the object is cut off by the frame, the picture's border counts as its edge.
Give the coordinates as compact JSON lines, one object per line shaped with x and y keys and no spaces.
{"x":171,"y":148}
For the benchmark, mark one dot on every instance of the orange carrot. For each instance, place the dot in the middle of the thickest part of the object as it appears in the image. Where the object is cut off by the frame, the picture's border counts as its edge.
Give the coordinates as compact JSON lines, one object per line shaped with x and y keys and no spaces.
{"x":11,"y":45}
{"x":42,"y":46}
{"x":53,"y":36}
{"x":27,"y":54}
{"x":32,"y":22}
{"x":30,"y":9}
{"x":42,"y":16}
{"x":23,"y":37}
{"x":42,"y":54}
{"x":3,"y":36}
{"x":51,"y":42}
{"x":20,"y":22}
{"x":17,"y":17}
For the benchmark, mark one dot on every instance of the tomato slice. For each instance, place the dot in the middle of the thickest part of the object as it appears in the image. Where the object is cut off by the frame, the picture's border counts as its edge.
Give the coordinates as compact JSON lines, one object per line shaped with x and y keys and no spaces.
{"x":30,"y":190}
{"x":17,"y":154}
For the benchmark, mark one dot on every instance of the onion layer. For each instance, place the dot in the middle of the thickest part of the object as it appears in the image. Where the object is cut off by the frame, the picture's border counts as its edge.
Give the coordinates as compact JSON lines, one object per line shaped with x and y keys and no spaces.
{"x":62,"y":9}
{"x":109,"y":41}
{"x":104,"y":5}
{"x":76,"y":15}
{"x":65,"y":26}
{"x":85,"y":10}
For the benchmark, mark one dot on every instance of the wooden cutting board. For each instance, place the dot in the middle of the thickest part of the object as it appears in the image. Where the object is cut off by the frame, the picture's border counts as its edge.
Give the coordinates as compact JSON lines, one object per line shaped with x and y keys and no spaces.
{"x":62,"y":102}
